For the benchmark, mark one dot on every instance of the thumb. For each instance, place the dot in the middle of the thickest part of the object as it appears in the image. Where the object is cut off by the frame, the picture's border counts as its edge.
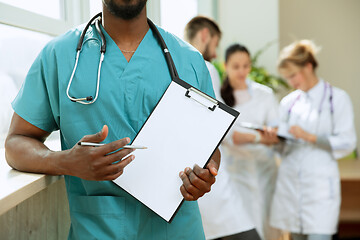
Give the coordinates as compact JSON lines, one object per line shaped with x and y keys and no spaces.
{"x":97,"y":137}
{"x":213,"y":167}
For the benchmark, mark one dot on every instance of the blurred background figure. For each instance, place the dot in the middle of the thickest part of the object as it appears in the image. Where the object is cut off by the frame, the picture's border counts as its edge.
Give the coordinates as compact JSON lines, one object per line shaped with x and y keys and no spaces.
{"x":204,"y":34}
{"x":249,"y":161}
{"x":320,"y":119}
{"x":223,"y":213}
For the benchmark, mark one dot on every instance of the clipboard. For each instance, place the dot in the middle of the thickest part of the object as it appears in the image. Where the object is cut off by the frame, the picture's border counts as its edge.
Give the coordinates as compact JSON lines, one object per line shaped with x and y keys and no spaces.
{"x":184,"y":129}
{"x":260,"y":128}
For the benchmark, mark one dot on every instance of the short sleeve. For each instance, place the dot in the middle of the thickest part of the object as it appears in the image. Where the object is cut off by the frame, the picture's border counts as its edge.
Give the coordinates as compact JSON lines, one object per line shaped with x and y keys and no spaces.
{"x":33,"y":102}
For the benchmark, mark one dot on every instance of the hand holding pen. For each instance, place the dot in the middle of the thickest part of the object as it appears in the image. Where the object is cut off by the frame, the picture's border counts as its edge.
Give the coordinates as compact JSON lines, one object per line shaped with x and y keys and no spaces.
{"x":102,"y":144}
{"x":98,"y":163}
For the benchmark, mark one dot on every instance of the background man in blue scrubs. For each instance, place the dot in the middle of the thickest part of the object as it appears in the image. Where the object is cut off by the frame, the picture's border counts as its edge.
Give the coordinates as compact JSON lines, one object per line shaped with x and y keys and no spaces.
{"x":133,"y":78}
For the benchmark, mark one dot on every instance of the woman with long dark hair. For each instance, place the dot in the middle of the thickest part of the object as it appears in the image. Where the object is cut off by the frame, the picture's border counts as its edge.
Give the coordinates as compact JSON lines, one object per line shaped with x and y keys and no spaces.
{"x":246,"y":154}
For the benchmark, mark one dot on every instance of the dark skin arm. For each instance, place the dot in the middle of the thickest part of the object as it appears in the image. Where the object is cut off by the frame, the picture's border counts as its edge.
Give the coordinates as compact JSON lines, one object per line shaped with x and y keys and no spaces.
{"x":25,"y":151}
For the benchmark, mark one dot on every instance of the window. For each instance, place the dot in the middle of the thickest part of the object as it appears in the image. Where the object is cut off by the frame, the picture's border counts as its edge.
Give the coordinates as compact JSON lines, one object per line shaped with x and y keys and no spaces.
{"x":53,"y":17}
{"x":176,"y":14}
{"x":18,"y":48}
{"x":26,"y":26}
{"x":95,"y":7}
{"x":49,"y":8}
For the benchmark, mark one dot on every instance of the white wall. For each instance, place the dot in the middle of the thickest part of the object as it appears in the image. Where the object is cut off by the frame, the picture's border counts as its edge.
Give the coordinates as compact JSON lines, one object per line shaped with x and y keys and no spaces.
{"x":252,"y":23}
{"x":208,"y":8}
{"x":153,"y":11}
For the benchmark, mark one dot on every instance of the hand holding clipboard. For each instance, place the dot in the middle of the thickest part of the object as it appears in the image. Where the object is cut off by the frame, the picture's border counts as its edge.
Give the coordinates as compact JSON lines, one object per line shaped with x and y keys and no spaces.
{"x":263,"y":130}
{"x":197,"y":181}
{"x":185,"y":128}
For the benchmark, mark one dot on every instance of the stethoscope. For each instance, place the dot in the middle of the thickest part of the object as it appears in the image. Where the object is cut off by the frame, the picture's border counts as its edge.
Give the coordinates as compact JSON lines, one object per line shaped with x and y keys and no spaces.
{"x":97,"y":21}
{"x":326,"y":87}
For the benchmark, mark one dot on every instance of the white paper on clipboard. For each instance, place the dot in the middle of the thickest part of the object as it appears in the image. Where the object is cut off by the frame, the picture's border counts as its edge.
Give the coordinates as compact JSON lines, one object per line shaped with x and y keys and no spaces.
{"x":181,"y":132}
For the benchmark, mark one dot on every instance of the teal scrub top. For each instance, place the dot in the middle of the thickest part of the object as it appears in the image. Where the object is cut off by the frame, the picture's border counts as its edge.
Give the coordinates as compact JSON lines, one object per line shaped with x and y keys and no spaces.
{"x":128,"y":93}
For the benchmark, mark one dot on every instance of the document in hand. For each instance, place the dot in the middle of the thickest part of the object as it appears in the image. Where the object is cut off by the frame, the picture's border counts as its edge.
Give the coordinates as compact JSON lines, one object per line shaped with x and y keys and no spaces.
{"x":184,"y":129}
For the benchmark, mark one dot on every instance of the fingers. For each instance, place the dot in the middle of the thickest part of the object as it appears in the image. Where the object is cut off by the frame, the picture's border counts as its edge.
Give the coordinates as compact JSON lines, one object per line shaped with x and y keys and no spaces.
{"x":187,"y":196}
{"x":196,"y":182}
{"x":295,"y":131}
{"x":115,"y":170}
{"x":269,"y":135}
{"x":269,"y":132}
{"x":101,"y":136}
{"x":291,"y":130}
{"x":117,"y":156}
{"x":202,"y":178}
{"x":110,"y":172}
{"x":97,"y":137}
{"x":298,"y":132}
{"x":188,"y":191}
{"x":110,"y":147}
{"x":113,"y":146}
{"x":212,"y":166}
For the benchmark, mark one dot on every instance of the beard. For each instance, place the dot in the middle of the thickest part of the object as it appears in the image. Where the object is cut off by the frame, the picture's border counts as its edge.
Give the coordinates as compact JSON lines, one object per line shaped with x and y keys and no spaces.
{"x":206,"y":54}
{"x":129,"y":9}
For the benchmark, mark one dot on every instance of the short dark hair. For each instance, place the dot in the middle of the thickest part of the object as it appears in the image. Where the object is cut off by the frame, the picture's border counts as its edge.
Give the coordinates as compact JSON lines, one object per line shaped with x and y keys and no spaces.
{"x":198,"y":23}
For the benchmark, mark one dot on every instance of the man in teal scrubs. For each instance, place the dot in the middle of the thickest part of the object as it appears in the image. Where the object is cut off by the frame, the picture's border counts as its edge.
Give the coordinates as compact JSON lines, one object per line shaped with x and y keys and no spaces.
{"x":133,"y":78}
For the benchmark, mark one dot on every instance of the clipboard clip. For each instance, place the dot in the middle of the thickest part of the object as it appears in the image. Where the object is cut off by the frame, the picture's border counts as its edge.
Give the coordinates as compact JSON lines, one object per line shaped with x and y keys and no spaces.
{"x":204,"y":96}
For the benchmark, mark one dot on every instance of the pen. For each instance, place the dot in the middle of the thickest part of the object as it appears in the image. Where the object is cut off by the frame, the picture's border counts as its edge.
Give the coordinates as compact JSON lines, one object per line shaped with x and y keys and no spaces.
{"x":101,"y":144}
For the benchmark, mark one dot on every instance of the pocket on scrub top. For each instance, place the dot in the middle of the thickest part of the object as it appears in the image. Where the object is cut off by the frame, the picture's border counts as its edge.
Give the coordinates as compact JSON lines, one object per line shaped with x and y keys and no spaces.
{"x":97,"y":217}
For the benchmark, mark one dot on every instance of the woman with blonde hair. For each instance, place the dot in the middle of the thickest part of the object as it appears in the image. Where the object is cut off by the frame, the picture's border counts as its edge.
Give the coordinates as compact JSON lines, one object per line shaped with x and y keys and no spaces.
{"x":320,"y":121}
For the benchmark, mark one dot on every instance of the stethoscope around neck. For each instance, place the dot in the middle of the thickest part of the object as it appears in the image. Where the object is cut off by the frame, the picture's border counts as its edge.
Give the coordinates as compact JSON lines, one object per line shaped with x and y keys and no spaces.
{"x":96,"y":20}
{"x":326,"y":87}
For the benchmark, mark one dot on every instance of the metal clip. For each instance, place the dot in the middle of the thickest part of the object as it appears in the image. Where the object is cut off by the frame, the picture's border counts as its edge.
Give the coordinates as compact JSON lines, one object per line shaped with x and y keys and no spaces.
{"x":212,"y":108}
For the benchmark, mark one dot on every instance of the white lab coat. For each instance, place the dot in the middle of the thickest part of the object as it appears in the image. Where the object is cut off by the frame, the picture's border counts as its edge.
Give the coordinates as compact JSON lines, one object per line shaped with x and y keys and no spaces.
{"x":250,"y":170}
{"x":222,"y":210}
{"x":307,"y":195}
{"x":252,"y":167}
{"x":215,"y":78}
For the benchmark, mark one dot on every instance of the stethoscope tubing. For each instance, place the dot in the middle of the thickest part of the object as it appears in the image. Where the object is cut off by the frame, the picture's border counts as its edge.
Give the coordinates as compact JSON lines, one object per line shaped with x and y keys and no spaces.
{"x":326,"y":86}
{"x":97,"y":18}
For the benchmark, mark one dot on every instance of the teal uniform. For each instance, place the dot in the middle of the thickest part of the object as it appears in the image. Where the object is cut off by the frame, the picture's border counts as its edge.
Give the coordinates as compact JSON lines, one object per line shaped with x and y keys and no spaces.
{"x":128,"y":93}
